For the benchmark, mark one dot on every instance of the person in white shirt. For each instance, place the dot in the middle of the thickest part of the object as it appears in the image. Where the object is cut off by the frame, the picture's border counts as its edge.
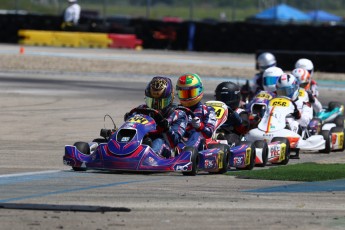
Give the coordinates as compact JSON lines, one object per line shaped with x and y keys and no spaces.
{"x":72,"y":12}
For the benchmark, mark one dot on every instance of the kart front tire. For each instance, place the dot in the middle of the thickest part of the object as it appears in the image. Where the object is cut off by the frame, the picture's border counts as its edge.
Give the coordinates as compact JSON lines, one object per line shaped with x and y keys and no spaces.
{"x":194,"y":160}
{"x":84,"y":148}
{"x":327,"y":136}
{"x":287,"y":151}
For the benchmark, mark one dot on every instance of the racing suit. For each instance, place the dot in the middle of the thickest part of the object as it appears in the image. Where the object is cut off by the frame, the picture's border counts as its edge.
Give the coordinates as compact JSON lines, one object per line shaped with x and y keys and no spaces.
{"x":170,"y":133}
{"x":208,"y":120}
{"x":235,"y":126}
{"x":305,"y":109}
{"x":317,"y":106}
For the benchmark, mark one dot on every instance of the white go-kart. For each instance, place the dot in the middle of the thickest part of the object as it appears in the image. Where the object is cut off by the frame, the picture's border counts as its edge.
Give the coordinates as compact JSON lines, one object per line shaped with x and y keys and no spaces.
{"x":274,"y":128}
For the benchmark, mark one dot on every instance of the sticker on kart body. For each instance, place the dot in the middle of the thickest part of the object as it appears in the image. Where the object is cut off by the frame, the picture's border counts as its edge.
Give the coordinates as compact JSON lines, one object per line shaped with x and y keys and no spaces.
{"x":282,"y":152}
{"x":218,"y":108}
{"x":280,"y":102}
{"x":337,"y":140}
{"x":138,"y":119}
{"x":248,"y":155}
{"x":264,"y":96}
{"x":220,"y":159}
{"x":238,"y":161}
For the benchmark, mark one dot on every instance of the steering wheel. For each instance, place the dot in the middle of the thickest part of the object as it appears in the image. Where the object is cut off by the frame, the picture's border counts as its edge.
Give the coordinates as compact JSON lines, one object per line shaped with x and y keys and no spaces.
{"x":155,"y":114}
{"x":188,"y":111}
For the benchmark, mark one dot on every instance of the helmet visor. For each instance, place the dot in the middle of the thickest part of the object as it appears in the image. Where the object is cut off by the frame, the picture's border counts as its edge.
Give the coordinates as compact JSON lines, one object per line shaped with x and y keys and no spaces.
{"x":188,"y":93}
{"x":270,"y":80}
{"x":286,"y":91}
{"x":157,"y":103}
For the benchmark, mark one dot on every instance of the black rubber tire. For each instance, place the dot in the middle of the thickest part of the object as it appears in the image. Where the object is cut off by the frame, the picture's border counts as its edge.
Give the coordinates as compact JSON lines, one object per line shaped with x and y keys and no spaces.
{"x":252,"y":155}
{"x":226,"y":155}
{"x":339,"y":121}
{"x":84,"y":148}
{"x":194,"y":159}
{"x":287,"y":151}
{"x":327,"y":136}
{"x":262,"y":145}
{"x":338,"y":130}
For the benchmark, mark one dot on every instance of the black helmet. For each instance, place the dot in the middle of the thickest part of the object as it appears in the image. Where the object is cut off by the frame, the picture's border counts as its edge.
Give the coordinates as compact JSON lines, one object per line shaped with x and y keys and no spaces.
{"x":229,"y":93}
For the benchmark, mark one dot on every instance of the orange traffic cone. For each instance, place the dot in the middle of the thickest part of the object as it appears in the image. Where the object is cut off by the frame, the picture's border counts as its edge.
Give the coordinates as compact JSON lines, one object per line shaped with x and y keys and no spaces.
{"x":21,"y":50}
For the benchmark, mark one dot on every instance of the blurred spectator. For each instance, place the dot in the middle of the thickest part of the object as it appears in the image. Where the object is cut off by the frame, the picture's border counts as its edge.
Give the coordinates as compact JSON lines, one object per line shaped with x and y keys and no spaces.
{"x":72,"y":13}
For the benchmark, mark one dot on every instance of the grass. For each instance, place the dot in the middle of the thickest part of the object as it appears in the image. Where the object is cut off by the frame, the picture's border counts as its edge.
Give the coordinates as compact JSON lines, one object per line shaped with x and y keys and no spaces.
{"x":297,"y":172}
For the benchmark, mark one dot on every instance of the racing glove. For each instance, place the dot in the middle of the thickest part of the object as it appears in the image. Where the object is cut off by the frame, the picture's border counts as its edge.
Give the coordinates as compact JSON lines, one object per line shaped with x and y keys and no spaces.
{"x":311,"y":97}
{"x":163,"y":125}
{"x":296,"y":114}
{"x":196,"y":122}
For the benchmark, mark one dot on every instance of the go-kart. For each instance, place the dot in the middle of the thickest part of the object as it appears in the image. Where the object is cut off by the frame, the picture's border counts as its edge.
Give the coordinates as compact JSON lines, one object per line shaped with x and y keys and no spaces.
{"x":242,"y":156}
{"x":124,"y":149}
{"x":329,"y":122}
{"x":334,"y":113}
{"x":279,"y":138}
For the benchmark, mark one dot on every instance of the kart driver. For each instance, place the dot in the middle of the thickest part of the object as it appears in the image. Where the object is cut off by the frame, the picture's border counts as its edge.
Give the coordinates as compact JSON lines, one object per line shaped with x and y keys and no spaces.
{"x":287,"y":86}
{"x":237,"y":123}
{"x":159,"y":95}
{"x":190,"y":91}
{"x":263,"y":62}
{"x":312,"y":86}
{"x":258,"y":106}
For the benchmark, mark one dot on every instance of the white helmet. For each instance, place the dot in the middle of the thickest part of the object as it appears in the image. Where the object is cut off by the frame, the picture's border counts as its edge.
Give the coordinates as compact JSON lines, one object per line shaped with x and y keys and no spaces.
{"x":287,"y":85}
{"x":266,"y":60}
{"x":305,"y":64}
{"x":270,"y":77}
{"x":302,"y":76}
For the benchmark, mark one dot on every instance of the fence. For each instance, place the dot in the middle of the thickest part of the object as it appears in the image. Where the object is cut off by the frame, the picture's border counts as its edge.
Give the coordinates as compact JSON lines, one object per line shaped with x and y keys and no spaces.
{"x":208,"y":10}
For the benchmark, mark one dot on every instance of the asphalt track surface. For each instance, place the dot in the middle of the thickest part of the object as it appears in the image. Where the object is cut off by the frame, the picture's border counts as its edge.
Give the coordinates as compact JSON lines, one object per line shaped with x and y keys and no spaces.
{"x":42,"y":112}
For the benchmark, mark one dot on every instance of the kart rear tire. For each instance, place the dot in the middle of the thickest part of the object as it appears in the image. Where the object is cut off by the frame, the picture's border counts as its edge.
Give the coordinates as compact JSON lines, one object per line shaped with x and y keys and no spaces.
{"x":339,"y":121}
{"x":252,"y":155}
{"x":226,"y":155}
{"x":84,"y":148}
{"x":338,"y":130}
{"x":194,"y":159}
{"x":262,"y":145}
{"x":287,"y":151}
{"x":327,"y":136}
